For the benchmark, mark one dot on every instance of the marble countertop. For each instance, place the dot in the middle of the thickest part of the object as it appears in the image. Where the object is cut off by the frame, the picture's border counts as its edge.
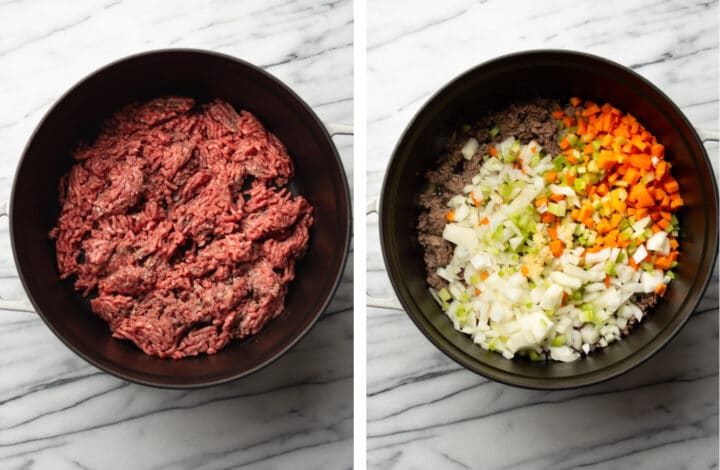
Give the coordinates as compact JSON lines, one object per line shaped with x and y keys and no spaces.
{"x":424,"y":411}
{"x":58,"y":412}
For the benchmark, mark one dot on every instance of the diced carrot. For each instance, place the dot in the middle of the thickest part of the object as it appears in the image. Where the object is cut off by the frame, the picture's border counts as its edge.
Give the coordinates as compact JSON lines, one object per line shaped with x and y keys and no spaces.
{"x":660,"y":169}
{"x":588,"y":150}
{"x":603,"y":226}
{"x":670,"y":185}
{"x":568,"y":121}
{"x":607,"y":280}
{"x":676,"y":202}
{"x":557,"y":197}
{"x":660,"y":290}
{"x":547,"y":218}
{"x":552,"y":232}
{"x":618,"y":205}
{"x":602,"y":189}
{"x":558,"y":114}
{"x":638,"y":143}
{"x":674,"y":244}
{"x":632,"y":263}
{"x":564,"y":144}
{"x":565,"y":298}
{"x":478,"y":292}
{"x":475,"y":200}
{"x":581,"y":126}
{"x":540,"y":201}
{"x":575,"y":215}
{"x":484,"y":275}
{"x":663,"y":262}
{"x":660,"y":194}
{"x":606,"y":160}
{"x":590,"y":109}
{"x":450,"y":216}
{"x":556,"y":247}
{"x":570,"y":178}
{"x":655,"y":228}
{"x":631,"y":176}
{"x":551,"y":176}
{"x":484,"y":221}
{"x":654,"y":215}
{"x":640,"y":193}
{"x":607,"y":140}
{"x":663,"y":223}
{"x":493,"y":151}
{"x":524,"y":270}
{"x":641,"y":213}
{"x":588,"y":222}
{"x":641,"y":160}
{"x":657,"y":150}
{"x":575,"y":101}
{"x":615,"y":219}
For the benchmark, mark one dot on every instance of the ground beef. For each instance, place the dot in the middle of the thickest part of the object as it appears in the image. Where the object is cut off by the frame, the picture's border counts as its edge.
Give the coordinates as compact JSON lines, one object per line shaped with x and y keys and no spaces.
{"x":524,"y":121}
{"x":176,"y":223}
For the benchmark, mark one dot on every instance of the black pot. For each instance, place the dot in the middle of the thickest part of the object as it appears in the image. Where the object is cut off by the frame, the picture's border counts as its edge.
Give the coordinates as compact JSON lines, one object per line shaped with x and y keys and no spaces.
{"x":34,"y":209}
{"x":549,"y":74}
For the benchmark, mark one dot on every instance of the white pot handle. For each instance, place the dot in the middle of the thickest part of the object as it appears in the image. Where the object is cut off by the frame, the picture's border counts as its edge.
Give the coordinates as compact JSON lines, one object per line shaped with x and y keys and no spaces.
{"x":379,"y":302}
{"x":335,"y":128}
{"x":21,"y":305}
{"x":708,"y":135}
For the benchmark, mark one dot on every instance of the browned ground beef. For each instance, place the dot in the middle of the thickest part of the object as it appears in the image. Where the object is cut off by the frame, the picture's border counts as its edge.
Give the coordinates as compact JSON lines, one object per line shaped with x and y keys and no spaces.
{"x":525,"y":121}
{"x":177,"y":223}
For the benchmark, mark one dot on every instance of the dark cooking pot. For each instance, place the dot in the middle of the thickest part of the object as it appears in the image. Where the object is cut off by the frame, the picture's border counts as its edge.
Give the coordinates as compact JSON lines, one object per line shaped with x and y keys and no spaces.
{"x":34,"y":208}
{"x":553,"y":74}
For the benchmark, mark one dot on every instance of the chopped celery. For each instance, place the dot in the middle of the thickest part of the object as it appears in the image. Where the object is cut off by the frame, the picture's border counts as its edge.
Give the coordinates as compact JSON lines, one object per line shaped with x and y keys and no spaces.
{"x":534,"y":355}
{"x":587,"y":313}
{"x":596,"y":145}
{"x":556,"y":209}
{"x":491,"y":344}
{"x":648,"y":233}
{"x":593,"y":167}
{"x":444,"y":294}
{"x":465,"y":128}
{"x":494,"y":132}
{"x":474,"y":279}
{"x":535,"y":159}
{"x":673,"y":265}
{"x":670,"y":274}
{"x":647,"y":266}
{"x":572,"y":139}
{"x":559,"y":340}
{"x":576,"y":296}
{"x":610,"y":268}
{"x":621,"y":257}
{"x":580,"y":184}
{"x":464,"y":297}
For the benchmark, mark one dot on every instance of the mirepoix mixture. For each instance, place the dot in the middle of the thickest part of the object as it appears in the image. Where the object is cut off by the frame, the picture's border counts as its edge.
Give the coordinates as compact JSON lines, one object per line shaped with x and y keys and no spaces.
{"x":549,"y":230}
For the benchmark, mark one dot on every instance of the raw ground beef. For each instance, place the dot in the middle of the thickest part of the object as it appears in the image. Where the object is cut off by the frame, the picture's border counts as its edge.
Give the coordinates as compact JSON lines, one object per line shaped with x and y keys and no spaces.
{"x":176,"y":223}
{"x":525,"y":121}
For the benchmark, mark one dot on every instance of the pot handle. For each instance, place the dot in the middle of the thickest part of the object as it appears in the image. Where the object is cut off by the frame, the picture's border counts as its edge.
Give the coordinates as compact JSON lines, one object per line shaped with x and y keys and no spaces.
{"x":390,"y":303}
{"x":20,"y":305}
{"x":708,"y":135}
{"x":335,"y":128}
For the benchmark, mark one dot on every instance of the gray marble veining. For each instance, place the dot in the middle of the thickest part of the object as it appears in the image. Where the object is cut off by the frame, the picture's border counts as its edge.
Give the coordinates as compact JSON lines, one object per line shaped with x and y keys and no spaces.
{"x":58,"y":412}
{"x":424,"y":411}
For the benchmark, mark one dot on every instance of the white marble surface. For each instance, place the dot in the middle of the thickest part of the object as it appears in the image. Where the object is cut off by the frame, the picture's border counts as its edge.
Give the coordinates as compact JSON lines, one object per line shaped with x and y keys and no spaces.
{"x":424,"y":411}
{"x":58,"y":412}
